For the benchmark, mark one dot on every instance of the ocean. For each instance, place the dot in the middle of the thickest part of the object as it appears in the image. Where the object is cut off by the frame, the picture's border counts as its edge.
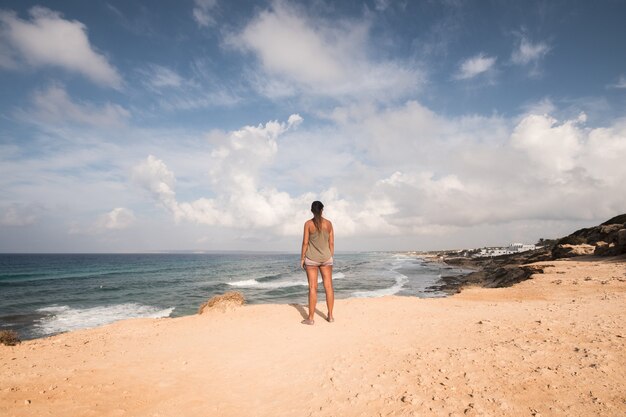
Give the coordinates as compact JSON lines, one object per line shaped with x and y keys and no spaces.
{"x":47,"y":294}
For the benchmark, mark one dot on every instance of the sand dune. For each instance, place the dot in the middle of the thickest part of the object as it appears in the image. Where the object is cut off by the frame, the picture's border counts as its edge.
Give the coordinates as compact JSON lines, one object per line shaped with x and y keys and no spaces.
{"x":550,"y":346}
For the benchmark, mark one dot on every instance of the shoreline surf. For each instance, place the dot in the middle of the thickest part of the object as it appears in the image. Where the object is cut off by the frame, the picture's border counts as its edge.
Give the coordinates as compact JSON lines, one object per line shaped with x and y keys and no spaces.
{"x":99,"y":289}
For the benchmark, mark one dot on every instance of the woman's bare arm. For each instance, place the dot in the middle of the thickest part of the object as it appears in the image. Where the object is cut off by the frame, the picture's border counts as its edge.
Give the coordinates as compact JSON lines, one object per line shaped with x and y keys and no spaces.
{"x":331,"y":239}
{"x":305,"y":243}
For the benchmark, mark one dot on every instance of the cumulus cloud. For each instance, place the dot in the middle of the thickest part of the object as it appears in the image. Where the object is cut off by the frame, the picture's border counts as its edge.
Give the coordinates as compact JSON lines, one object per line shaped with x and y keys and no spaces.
{"x":474,"y":66}
{"x":414,"y":173}
{"x":117,"y":219}
{"x":234,"y":164}
{"x":54,"y":106}
{"x":297,"y":53}
{"x":154,"y":176}
{"x":240,"y":201}
{"x":47,"y":39}
{"x":473,"y":170}
{"x":243,"y":152}
{"x":550,"y":145}
{"x":202,"y":12}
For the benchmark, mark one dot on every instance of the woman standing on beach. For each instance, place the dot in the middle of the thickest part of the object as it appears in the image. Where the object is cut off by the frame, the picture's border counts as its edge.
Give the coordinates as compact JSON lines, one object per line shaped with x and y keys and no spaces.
{"x":318,"y":248}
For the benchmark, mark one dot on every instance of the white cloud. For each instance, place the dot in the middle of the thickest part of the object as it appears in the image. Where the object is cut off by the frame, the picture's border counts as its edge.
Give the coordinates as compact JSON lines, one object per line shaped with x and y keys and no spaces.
{"x":552,"y":146}
{"x":528,"y":52}
{"x":301,"y":54}
{"x":530,"y":55}
{"x":390,"y":177}
{"x":470,"y":171}
{"x":474,"y":66}
{"x":54,"y":106}
{"x":412,"y":173}
{"x":243,"y":152}
{"x":242,"y":202}
{"x":233,"y":168}
{"x":543,"y":106}
{"x":48,"y":39}
{"x":117,"y":219}
{"x":202,"y":12}
{"x":154,"y":176}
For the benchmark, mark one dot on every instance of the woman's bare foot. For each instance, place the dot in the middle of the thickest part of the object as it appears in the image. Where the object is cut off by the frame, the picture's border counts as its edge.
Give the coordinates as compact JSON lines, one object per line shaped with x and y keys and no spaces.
{"x":308,"y":321}
{"x":330,"y":319}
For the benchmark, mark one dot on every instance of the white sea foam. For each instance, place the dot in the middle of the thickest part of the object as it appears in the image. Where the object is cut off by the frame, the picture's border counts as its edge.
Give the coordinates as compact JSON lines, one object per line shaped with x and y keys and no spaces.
{"x":253,"y":283}
{"x":65,"y":318}
{"x":244,"y":283}
{"x":400,"y":281}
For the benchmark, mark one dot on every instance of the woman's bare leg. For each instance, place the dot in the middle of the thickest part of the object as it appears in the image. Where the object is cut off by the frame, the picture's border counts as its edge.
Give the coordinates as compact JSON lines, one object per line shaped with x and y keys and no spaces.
{"x":311,"y":274}
{"x":327,"y":278}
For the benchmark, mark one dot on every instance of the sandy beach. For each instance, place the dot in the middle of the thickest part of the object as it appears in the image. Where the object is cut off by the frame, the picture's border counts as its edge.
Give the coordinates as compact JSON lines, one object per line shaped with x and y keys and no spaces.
{"x":553,"y":345}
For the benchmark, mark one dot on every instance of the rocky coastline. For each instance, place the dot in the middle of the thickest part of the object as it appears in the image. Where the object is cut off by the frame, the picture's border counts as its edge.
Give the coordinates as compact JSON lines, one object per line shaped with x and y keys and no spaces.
{"x":606,"y":239}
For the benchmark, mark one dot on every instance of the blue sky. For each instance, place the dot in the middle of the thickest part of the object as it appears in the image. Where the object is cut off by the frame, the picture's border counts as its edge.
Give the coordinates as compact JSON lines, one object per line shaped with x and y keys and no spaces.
{"x":212,"y":125}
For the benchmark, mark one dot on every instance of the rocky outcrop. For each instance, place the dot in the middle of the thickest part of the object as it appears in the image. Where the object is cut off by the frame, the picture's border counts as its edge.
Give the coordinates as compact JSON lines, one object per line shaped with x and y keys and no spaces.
{"x":496,"y":272}
{"x":569,"y":251}
{"x":604,"y":239}
{"x":224,"y":302}
{"x":621,"y":240}
{"x":607,"y":239}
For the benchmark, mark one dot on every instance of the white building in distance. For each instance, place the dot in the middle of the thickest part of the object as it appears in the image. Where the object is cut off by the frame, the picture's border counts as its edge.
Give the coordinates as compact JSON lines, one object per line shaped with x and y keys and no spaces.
{"x":507,"y":250}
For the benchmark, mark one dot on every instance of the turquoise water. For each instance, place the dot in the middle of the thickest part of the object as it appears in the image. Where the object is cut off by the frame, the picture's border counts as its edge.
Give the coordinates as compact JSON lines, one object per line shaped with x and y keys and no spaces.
{"x":45,"y":294}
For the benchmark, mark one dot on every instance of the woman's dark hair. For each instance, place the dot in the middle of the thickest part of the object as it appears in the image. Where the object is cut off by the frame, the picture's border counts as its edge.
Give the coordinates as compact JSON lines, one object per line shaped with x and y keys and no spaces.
{"x":316,"y":208}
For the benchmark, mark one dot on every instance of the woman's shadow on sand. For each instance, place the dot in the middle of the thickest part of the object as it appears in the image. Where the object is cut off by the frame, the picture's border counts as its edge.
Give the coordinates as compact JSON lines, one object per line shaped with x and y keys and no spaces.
{"x":304,"y":313}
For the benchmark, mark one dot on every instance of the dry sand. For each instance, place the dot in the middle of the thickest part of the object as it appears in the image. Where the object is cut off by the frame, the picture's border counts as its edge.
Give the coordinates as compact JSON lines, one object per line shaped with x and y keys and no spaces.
{"x":551,"y":346}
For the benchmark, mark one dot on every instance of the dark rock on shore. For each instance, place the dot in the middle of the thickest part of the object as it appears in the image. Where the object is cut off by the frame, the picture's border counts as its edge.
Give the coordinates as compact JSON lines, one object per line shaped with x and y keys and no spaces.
{"x":607,"y":239}
{"x":499,"y":271}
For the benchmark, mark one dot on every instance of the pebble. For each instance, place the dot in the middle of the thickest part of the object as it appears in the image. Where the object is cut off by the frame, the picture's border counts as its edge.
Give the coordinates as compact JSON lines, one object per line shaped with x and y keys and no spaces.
{"x":409,"y":399}
{"x":27,"y":402}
